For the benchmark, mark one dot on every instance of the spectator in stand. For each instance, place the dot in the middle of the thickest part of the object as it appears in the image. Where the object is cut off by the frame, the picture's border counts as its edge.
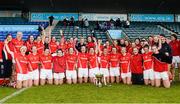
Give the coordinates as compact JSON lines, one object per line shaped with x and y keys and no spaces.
{"x":51,"y":18}
{"x":65,"y":22}
{"x":86,"y":23}
{"x":72,"y":22}
{"x":118,"y":22}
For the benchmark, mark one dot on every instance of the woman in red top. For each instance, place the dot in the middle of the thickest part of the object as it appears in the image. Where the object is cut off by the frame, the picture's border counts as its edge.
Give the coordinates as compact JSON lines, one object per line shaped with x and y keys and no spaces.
{"x":148,"y":66}
{"x":40,"y":45}
{"x":21,"y":65}
{"x":29,"y":43}
{"x":59,"y":67}
{"x":114,"y":66}
{"x":125,"y":66}
{"x":175,"y":46}
{"x":82,"y":65}
{"x":136,"y":67}
{"x":160,"y":64}
{"x":71,"y":66}
{"x":104,"y":63}
{"x":33,"y":60}
{"x":53,"y":45}
{"x":46,"y":67}
{"x":93,"y":64}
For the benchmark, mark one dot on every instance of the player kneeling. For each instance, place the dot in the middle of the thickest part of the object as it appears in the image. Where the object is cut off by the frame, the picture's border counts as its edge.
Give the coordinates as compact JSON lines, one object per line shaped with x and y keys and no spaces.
{"x":59,"y":67}
{"x":161,"y":61}
{"x":114,"y":66}
{"x":104,"y":64}
{"x":148,"y":72}
{"x":125,"y":66}
{"x":71,"y":65}
{"x":33,"y":59}
{"x":83,"y":65}
{"x":21,"y":66}
{"x":46,"y":68}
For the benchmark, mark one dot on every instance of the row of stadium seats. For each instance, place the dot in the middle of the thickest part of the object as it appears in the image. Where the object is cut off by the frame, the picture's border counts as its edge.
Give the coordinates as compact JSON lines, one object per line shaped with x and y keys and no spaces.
{"x":175,"y":27}
{"x":77,"y":31}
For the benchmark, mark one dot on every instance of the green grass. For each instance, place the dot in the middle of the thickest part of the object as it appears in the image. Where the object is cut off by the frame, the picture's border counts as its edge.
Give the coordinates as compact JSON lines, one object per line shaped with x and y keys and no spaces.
{"x":4,"y":91}
{"x":88,"y":93}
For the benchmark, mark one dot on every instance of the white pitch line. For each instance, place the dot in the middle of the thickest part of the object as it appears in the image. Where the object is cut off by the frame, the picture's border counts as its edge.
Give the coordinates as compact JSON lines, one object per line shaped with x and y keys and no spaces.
{"x":12,"y":95}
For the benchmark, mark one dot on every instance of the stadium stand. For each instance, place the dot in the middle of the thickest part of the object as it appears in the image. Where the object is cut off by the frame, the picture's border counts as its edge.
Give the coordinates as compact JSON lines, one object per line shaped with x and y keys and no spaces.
{"x":18,"y":22}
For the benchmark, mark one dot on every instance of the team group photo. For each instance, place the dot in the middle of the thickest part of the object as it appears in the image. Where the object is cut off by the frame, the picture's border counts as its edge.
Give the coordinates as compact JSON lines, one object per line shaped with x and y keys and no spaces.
{"x":51,"y":54}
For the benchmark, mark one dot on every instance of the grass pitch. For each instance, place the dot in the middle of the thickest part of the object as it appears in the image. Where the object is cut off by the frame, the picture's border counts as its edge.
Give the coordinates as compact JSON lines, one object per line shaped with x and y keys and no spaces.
{"x":88,"y":93}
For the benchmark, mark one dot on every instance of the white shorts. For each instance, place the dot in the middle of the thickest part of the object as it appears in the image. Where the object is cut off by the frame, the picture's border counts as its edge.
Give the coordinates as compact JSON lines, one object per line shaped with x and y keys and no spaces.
{"x":104,"y":71}
{"x":59,"y":75}
{"x":34,"y":75}
{"x":93,"y":72}
{"x":46,"y":74}
{"x":82,"y":72}
{"x":176,"y":59}
{"x":114,"y":71}
{"x":125,"y":75}
{"x":148,"y":74}
{"x":161,"y":75}
{"x":22,"y":77}
{"x":71,"y":74}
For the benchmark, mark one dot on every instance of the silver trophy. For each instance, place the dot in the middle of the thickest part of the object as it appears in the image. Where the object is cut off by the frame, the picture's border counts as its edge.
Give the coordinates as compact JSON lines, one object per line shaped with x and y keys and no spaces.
{"x":100,"y":80}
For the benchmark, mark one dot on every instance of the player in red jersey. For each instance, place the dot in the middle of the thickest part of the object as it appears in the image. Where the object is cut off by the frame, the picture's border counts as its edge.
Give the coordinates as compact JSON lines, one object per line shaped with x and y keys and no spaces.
{"x":148,"y":72}
{"x":29,"y":43}
{"x":108,"y":46}
{"x":93,"y":64}
{"x":53,"y":45}
{"x":46,"y":67}
{"x":71,"y":65}
{"x":114,"y":66}
{"x":21,"y":65}
{"x":115,"y":44}
{"x":59,"y":65}
{"x":175,"y":46}
{"x":39,"y":44}
{"x":18,"y":42}
{"x":82,"y":65}
{"x":160,"y":65}
{"x":104,"y":63}
{"x":136,"y":67}
{"x":34,"y":61}
{"x":125,"y":59}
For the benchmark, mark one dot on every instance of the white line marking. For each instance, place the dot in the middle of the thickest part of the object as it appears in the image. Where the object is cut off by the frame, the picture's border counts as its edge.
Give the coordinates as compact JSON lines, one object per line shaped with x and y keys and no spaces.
{"x":12,"y":95}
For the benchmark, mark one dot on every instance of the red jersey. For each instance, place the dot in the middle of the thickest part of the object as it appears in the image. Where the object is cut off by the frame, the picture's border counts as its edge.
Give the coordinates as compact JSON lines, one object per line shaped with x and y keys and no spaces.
{"x":71,"y":61}
{"x":29,"y":45}
{"x":90,"y":45}
{"x":46,"y":61}
{"x":21,"y":63}
{"x":147,"y":60}
{"x":59,"y":64}
{"x":33,"y":61}
{"x":1,"y":48}
{"x":69,"y":45}
{"x":114,"y":60}
{"x":53,"y":46}
{"x":17,"y":44}
{"x":7,"y":55}
{"x":93,"y":61}
{"x":82,"y":60}
{"x":159,"y":66}
{"x":125,"y":63}
{"x":104,"y":61}
{"x":40,"y":47}
{"x":136,"y":64}
{"x":118,"y":48}
{"x":175,"y":46}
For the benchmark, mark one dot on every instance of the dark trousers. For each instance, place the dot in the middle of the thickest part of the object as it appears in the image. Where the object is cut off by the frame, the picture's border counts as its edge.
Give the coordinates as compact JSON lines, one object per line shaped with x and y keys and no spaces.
{"x":7,"y":68}
{"x":137,"y":79}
